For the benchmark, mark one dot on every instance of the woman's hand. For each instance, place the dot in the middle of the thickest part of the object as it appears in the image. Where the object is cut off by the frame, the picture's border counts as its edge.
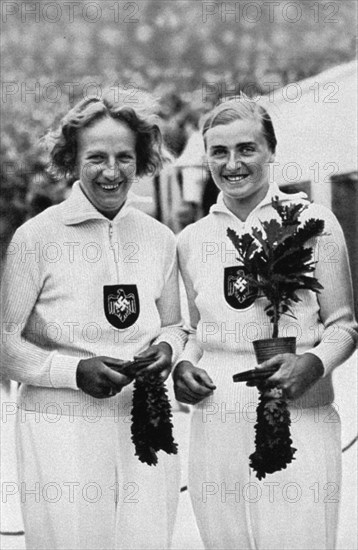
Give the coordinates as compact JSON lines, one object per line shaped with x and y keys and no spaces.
{"x":295,"y":375}
{"x":96,"y":378}
{"x":191,"y":384}
{"x":161,"y":355}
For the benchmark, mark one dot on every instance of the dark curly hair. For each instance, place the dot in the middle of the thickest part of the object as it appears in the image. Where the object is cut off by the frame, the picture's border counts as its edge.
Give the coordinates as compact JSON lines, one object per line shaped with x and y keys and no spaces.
{"x":238,"y":108}
{"x":63,"y":143}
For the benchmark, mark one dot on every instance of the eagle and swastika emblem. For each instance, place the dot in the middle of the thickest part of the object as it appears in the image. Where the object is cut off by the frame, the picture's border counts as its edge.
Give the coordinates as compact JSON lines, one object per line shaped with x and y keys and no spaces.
{"x":238,"y":291}
{"x":121,"y":305}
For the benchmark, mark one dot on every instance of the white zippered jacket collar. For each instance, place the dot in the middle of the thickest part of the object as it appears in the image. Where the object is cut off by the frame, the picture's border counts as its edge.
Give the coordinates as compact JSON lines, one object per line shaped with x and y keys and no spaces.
{"x":273,"y":191}
{"x":77,"y":208}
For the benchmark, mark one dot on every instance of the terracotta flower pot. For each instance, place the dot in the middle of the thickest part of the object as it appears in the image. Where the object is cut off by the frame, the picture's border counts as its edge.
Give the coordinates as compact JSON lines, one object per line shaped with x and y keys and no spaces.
{"x":269,"y":347}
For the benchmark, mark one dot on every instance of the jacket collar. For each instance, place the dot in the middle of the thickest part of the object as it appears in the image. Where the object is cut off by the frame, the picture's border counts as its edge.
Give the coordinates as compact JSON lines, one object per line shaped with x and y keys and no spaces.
{"x":78,"y":209}
{"x":273,"y":191}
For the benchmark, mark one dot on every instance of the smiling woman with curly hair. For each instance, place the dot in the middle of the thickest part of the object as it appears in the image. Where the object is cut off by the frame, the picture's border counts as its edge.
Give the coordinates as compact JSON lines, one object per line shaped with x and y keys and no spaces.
{"x":101,"y":291}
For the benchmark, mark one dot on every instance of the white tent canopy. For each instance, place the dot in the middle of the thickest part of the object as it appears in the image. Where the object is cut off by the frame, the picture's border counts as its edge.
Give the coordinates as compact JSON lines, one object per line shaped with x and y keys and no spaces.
{"x":316,"y":125}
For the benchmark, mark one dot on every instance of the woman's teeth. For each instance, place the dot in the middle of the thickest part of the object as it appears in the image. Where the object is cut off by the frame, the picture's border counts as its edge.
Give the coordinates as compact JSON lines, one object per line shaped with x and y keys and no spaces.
{"x":236,"y":179}
{"x":107,"y":187}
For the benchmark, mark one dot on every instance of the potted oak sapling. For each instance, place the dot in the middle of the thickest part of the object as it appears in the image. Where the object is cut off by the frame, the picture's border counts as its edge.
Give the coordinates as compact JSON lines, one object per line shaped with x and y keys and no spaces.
{"x":278,"y":264}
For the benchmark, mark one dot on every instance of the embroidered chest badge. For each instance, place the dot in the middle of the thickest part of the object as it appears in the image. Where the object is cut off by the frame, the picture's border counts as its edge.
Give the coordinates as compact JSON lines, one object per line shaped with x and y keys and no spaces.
{"x":238,"y":291}
{"x":121,"y":305}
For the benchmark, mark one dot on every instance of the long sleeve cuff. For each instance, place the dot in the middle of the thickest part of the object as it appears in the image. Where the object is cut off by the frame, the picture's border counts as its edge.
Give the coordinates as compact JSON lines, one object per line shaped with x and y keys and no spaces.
{"x":63,"y":371}
{"x":333,"y":353}
{"x":193,"y":351}
{"x":175,"y":337}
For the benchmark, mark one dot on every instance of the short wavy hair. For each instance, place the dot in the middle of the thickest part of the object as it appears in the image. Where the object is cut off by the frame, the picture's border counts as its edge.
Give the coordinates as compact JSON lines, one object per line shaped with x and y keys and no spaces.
{"x":63,"y":142}
{"x":240,"y":108}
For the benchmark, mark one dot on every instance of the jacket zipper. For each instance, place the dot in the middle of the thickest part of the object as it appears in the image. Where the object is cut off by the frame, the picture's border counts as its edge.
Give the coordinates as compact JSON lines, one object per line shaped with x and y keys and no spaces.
{"x":115,"y":250}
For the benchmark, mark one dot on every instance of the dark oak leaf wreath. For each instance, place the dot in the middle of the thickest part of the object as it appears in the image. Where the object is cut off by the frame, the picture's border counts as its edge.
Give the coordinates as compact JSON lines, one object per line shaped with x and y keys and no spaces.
{"x":151,"y":419}
{"x":273,"y":450}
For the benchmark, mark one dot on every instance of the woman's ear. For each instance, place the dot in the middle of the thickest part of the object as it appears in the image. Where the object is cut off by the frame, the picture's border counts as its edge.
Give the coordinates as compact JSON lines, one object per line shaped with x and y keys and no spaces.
{"x":272,"y":157}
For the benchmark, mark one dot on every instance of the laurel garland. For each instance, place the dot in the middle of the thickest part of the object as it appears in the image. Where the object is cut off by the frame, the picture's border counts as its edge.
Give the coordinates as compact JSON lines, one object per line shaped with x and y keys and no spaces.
{"x":273,"y":450}
{"x":151,"y":419}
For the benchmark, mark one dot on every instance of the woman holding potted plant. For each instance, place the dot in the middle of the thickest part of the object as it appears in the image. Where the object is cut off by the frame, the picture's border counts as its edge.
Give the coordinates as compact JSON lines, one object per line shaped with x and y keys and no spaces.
{"x":229,"y":309}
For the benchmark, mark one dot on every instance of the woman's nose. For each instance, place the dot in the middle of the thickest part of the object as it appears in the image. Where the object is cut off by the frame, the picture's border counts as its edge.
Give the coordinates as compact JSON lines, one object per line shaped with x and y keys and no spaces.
{"x":111,"y":170}
{"x":233,"y":162}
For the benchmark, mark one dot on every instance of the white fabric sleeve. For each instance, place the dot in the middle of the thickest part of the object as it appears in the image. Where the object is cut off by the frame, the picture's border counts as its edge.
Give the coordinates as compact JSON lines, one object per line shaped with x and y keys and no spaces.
{"x":339,"y":336}
{"x":168,"y":305}
{"x":21,"y":360}
{"x":193,"y":350}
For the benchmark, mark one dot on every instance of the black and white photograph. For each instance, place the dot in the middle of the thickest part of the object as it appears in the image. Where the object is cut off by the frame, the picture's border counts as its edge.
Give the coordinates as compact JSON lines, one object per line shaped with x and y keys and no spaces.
{"x":179,"y":275}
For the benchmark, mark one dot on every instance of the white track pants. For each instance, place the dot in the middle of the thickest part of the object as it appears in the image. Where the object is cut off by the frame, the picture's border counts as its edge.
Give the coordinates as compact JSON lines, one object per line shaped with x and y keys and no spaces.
{"x":83,"y":488}
{"x":295,"y":509}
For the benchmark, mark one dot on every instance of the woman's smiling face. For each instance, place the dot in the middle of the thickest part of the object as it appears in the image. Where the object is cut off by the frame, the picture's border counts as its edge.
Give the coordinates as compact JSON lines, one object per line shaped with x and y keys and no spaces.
{"x":239,"y":157}
{"x":106,"y":163}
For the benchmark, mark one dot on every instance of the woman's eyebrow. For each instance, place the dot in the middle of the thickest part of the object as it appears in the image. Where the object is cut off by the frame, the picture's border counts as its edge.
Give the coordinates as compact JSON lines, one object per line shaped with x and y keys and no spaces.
{"x":246,"y":144}
{"x":95,"y":151}
{"x":92,"y":152}
{"x":218,"y":146}
{"x":239,"y":144}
